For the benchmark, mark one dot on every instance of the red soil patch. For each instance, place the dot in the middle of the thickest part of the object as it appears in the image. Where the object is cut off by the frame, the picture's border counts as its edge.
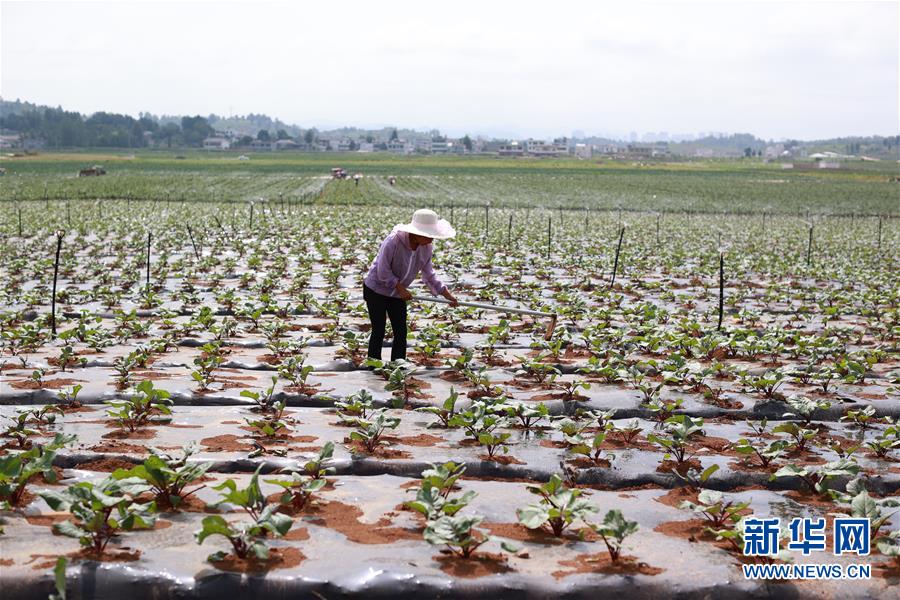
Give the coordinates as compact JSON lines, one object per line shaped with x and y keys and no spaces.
{"x":451,"y":376}
{"x":385,"y":452}
{"x":518,"y":532}
{"x":344,"y":518}
{"x":583,"y":462}
{"x":477,"y":565}
{"x":692,"y":530}
{"x":6,"y":562}
{"x":887,"y":570}
{"x":106,"y":465}
{"x":124,"y":434}
{"x":46,"y":520}
{"x":50,"y":384}
{"x":601,"y":563}
{"x":667,"y":466}
{"x":118,"y":447}
{"x":297,"y":534}
{"x":151,"y":375}
{"x":503,"y":459}
{"x":676,"y":496}
{"x":279,"y":558}
{"x":421,"y":440}
{"x":123,"y":555}
{"x":225,"y":443}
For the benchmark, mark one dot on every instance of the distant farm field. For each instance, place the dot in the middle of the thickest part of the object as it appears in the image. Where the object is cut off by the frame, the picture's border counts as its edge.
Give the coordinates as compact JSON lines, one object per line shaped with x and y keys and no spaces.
{"x":695,"y":186}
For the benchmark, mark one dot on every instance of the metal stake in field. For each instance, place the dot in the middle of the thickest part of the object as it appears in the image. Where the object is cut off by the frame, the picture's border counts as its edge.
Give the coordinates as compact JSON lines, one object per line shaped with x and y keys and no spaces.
{"x":148,"y":268}
{"x":549,"y":234}
{"x":721,"y":288}
{"x":487,"y":208}
{"x":19,"y":210}
{"x":191,"y":236}
{"x":59,"y":239}
{"x":616,"y":262}
{"x":879,"y":232}
{"x":657,"y":229}
{"x":809,"y":247}
{"x":251,"y":215}
{"x":509,"y":232}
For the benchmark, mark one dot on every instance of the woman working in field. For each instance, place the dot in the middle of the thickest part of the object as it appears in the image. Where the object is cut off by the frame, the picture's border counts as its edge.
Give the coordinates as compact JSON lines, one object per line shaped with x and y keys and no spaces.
{"x":405,"y":252}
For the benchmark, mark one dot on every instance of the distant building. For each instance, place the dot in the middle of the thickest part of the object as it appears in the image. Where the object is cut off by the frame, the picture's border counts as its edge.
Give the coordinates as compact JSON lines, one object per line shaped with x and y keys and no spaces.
{"x":10,"y":141}
{"x":366,"y":147}
{"x":216,"y":143}
{"x":541,"y":148}
{"x":261,"y":146}
{"x":286,"y":145}
{"x":400,"y":147}
{"x":512,"y":149}
{"x":584,"y":151}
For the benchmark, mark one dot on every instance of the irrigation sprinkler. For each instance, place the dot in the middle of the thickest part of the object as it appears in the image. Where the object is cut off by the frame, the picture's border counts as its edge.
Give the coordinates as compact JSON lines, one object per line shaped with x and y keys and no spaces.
{"x":616,"y":262}
{"x":59,"y":239}
{"x":509,"y":232}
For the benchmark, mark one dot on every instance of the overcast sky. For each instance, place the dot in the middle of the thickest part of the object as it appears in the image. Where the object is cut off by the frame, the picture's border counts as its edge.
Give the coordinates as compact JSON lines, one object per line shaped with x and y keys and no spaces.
{"x":776,"y":69}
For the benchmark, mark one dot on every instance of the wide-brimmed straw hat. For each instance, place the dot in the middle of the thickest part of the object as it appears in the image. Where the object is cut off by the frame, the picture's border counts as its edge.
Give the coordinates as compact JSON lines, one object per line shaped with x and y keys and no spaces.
{"x":425,"y":222}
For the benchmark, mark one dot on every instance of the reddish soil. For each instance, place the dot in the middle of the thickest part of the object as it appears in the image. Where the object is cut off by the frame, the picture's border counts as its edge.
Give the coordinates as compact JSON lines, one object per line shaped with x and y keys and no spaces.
{"x":676,"y":496}
{"x":667,"y":466}
{"x":49,"y":384}
{"x":106,"y":465}
{"x":151,"y":375}
{"x":225,"y":443}
{"x":421,"y":440}
{"x":385,"y":452}
{"x":480,"y":564}
{"x":124,"y":434}
{"x":6,"y":562}
{"x":692,"y":530}
{"x":601,"y":563}
{"x":583,"y":462}
{"x":46,"y":520}
{"x":344,"y":518}
{"x":110,"y":555}
{"x":118,"y":447}
{"x":887,"y":570}
{"x":716,"y":444}
{"x":279,"y":558}
{"x":518,"y":532}
{"x":503,"y":459}
{"x":558,"y":396}
{"x":297,"y":534}
{"x":451,"y":376}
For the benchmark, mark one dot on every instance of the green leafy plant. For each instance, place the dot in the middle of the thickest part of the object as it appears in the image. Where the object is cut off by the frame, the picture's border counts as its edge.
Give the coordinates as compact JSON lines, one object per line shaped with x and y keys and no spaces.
{"x":369,"y":432}
{"x":716,"y":508}
{"x":613,"y":531}
{"x":142,"y":408}
{"x":299,"y":489}
{"x":17,"y":470}
{"x":167,"y":476}
{"x":101,"y":510}
{"x":558,"y":508}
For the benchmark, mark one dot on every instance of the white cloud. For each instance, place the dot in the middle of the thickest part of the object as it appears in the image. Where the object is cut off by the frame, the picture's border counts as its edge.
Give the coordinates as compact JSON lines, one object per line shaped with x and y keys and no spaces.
{"x":777,"y":69}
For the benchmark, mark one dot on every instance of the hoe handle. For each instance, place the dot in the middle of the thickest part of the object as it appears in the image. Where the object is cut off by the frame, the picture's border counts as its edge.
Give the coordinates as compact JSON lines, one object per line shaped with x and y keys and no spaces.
{"x":506,"y":309}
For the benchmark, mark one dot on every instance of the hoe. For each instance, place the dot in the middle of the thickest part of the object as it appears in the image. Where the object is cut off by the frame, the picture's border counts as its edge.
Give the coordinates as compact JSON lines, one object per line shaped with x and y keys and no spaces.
{"x":504,"y":309}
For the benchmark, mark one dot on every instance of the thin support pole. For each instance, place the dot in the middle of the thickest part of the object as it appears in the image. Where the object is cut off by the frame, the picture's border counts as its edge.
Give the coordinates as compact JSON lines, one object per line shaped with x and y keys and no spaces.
{"x":148,"y":265}
{"x":809,"y":247}
{"x":721,"y":289}
{"x":509,"y":231}
{"x":191,"y":236}
{"x":59,"y":239}
{"x":612,"y":281}
{"x":549,"y":234}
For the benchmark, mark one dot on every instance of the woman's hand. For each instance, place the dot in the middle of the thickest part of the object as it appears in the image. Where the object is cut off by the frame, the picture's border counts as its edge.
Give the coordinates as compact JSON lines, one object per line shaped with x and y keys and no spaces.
{"x":450,"y":297}
{"x":403,"y":292}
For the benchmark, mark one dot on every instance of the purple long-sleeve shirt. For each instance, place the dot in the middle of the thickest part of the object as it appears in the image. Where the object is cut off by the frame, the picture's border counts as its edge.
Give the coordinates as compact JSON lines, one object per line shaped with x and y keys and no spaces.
{"x":397,"y":262}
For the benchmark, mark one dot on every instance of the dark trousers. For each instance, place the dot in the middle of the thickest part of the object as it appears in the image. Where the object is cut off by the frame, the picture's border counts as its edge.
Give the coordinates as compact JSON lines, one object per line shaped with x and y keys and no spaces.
{"x":395,"y":308}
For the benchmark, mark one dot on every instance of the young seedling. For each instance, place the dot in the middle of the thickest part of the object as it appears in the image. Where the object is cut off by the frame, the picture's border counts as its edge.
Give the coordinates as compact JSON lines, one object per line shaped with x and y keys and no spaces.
{"x":695,"y":479}
{"x":167,"y":476}
{"x":357,"y":406}
{"x":139,"y":410}
{"x":303,"y":484}
{"x":815,"y":478}
{"x":101,"y":510}
{"x":864,"y":506}
{"x":800,"y":437}
{"x":735,"y":537}
{"x":459,"y":534}
{"x":803,"y":409}
{"x":369,"y":432}
{"x":765,"y":454}
{"x":528,"y":416}
{"x":613,"y":531}
{"x":445,"y":412}
{"x":264,"y":401}
{"x":558,"y":508}
{"x":17,"y":470}
{"x":889,"y":545}
{"x":401,"y":381}
{"x":593,"y":449}
{"x":70,"y":397}
{"x":679,"y":429}
{"x":862,"y":418}
{"x":246,"y":538}
{"x":716,"y":508}
{"x":628,"y":433}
